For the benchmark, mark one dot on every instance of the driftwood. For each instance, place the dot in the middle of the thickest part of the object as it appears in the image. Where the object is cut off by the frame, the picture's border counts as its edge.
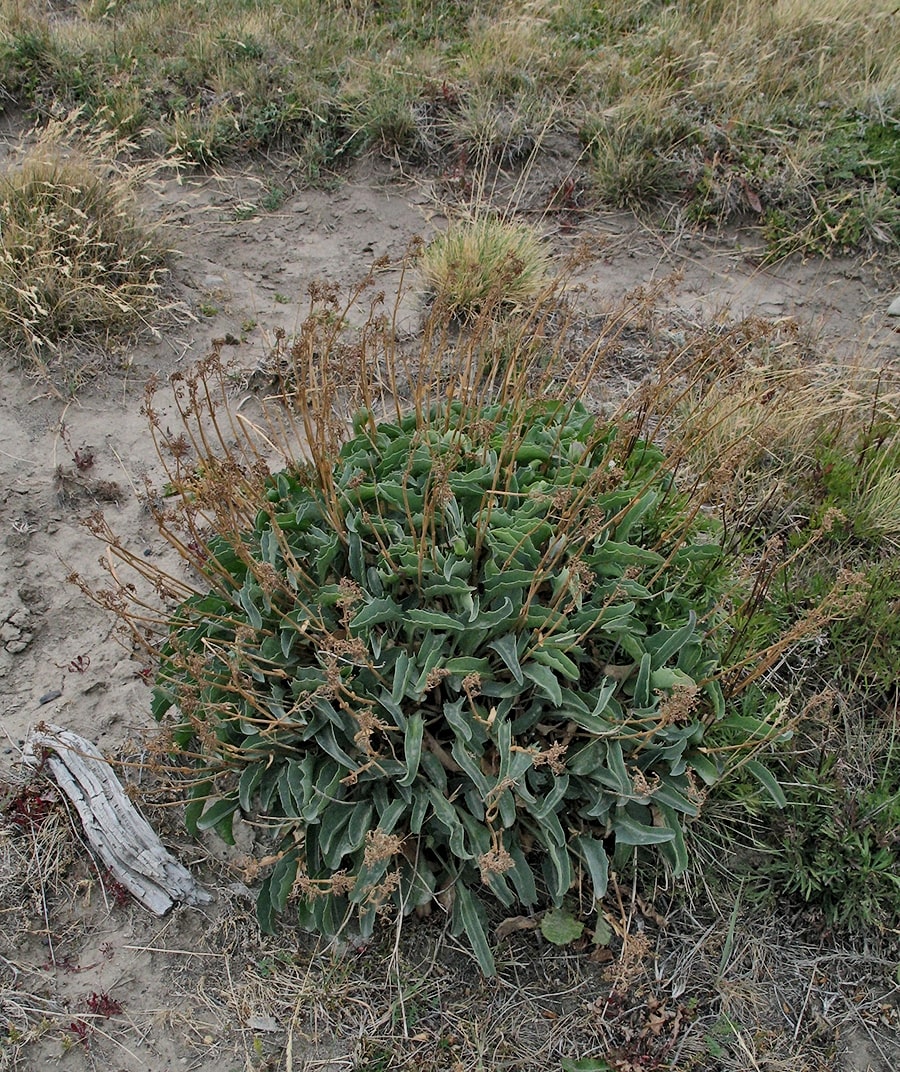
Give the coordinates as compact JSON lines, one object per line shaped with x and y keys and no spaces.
{"x":117,"y":832}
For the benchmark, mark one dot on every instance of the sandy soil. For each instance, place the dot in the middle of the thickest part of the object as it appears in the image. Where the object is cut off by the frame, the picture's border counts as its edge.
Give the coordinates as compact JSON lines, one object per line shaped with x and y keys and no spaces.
{"x":240,"y":274}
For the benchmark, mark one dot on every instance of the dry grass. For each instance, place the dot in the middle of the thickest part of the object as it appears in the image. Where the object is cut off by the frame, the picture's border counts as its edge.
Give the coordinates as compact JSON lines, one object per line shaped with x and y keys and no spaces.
{"x":772,"y":409}
{"x":78,"y":265}
{"x":783,"y":115}
{"x":485,"y":262}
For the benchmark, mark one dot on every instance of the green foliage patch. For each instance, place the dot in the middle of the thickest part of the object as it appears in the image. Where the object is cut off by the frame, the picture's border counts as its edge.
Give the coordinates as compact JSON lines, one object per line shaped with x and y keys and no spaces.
{"x":836,"y":848}
{"x":474,"y":657}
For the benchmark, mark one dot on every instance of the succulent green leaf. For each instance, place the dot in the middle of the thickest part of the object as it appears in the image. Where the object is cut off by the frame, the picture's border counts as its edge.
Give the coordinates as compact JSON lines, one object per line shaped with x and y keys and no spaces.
{"x":281,"y":881}
{"x":359,"y":825}
{"x":467,"y":664}
{"x":667,"y":678}
{"x":594,"y":857}
{"x":668,"y":642}
{"x":768,"y":781}
{"x":668,"y":794}
{"x":249,"y":782}
{"x":161,"y":700}
{"x":199,"y":796}
{"x":291,"y":807}
{"x":546,"y":681}
{"x":377,"y":612}
{"x":558,"y":871}
{"x":467,"y":919}
{"x":561,"y":927}
{"x":332,"y":828}
{"x":640,"y":509}
{"x":490,"y":619}
{"x":265,"y":911}
{"x":675,"y":851}
{"x":415,"y":728}
{"x":521,"y":876}
{"x":247,"y":596}
{"x":506,"y":648}
{"x":432,"y":619}
{"x":629,"y":831}
{"x":445,"y":814}
{"x":220,"y":815}
{"x":552,"y":655}
{"x":620,"y":779}
{"x":404,"y":668}
{"x":704,"y":766}
{"x":642,"y":685}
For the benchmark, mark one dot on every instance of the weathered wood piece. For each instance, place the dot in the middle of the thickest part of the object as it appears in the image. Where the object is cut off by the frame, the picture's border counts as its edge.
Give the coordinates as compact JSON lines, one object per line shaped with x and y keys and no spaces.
{"x":121,"y":837}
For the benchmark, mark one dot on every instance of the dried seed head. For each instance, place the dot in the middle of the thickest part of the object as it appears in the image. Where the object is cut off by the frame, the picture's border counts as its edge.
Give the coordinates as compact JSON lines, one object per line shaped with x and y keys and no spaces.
{"x":552,"y":757}
{"x":677,"y":708}
{"x":495,"y":861}
{"x":380,"y":846}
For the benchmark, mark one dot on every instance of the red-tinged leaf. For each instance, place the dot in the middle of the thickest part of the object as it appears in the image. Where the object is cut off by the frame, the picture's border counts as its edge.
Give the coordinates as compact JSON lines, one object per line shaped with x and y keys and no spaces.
{"x":752,"y":197}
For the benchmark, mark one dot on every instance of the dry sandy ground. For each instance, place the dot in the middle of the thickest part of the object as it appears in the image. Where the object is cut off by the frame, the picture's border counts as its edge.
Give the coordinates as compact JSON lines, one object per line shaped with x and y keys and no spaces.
{"x":185,"y":1003}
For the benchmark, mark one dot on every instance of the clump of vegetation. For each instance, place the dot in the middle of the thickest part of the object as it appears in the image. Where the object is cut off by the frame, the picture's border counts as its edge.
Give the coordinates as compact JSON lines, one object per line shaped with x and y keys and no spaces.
{"x":819,"y":456}
{"x":819,"y":452}
{"x":471,"y":650}
{"x":485,"y":262}
{"x":837,"y":847}
{"x":76,"y":261}
{"x":476,"y":659}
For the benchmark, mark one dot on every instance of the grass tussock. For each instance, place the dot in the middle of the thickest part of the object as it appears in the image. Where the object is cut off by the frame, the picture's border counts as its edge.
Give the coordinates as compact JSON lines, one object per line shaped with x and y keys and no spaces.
{"x":486,"y":261}
{"x":77,"y":264}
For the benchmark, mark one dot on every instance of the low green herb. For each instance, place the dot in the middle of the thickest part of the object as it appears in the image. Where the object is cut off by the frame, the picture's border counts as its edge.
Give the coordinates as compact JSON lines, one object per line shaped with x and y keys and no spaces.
{"x":475,"y":656}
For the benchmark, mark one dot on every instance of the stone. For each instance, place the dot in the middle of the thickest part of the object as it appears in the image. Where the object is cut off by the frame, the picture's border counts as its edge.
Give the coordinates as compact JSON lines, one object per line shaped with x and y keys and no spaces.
{"x":894,"y":307}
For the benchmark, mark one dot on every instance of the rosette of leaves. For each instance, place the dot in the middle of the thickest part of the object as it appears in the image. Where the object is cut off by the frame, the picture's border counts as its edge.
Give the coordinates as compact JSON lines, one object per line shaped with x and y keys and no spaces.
{"x":472,"y":659}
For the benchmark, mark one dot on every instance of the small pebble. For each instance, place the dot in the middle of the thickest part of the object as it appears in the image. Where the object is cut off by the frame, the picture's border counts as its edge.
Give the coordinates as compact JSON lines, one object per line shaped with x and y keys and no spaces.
{"x":49,"y":697}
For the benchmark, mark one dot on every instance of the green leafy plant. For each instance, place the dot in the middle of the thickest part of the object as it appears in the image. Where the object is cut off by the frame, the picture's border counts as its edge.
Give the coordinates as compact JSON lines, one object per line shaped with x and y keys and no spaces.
{"x":836,"y":848}
{"x":471,"y":653}
{"x":477,"y":660}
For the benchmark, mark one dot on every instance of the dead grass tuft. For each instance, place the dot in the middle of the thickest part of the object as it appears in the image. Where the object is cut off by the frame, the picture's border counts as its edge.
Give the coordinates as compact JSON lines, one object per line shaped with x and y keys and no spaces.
{"x":485,"y":261}
{"x":77,"y":264}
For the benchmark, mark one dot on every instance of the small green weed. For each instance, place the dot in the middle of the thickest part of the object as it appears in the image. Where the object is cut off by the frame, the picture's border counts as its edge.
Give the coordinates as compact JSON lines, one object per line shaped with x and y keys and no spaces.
{"x":836,"y":847}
